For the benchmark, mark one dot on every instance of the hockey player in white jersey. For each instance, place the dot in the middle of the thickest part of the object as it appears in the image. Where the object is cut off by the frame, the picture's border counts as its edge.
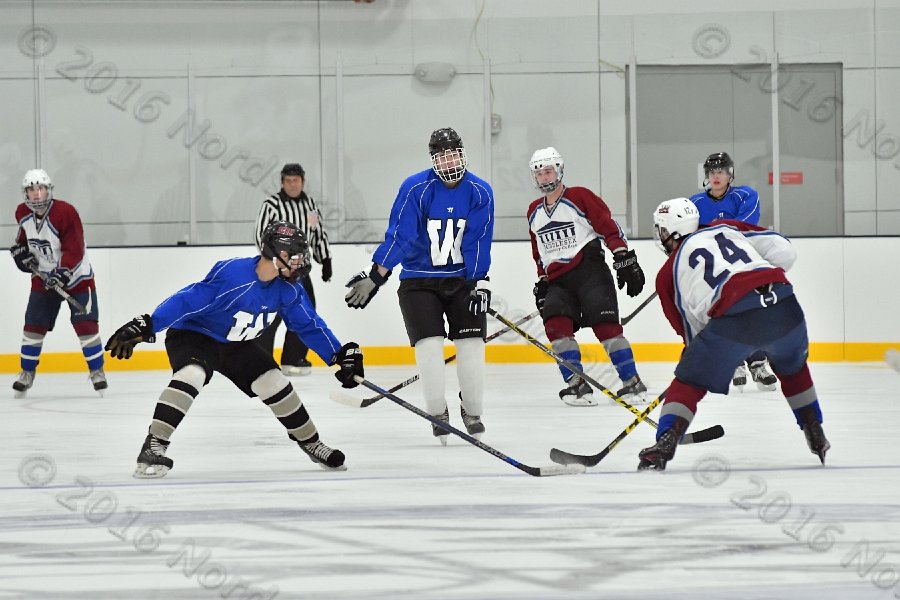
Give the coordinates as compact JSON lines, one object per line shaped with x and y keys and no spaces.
{"x":725,"y":292}
{"x":569,"y":227}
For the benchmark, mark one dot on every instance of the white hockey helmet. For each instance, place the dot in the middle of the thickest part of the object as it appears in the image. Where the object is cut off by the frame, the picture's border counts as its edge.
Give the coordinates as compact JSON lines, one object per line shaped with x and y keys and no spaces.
{"x":672,"y":220}
{"x":543,"y":158}
{"x":38,"y":178}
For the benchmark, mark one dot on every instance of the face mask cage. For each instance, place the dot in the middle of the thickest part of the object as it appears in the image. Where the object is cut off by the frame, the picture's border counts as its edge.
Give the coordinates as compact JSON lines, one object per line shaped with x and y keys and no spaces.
{"x":450,"y":165}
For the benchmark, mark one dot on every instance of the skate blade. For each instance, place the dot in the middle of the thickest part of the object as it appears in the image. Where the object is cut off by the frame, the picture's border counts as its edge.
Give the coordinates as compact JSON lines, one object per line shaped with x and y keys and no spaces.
{"x":634,"y":399}
{"x":17,"y":394}
{"x":765,"y":387}
{"x":442,"y":439}
{"x":143,"y":471}
{"x":325,"y":467}
{"x":583,"y":401}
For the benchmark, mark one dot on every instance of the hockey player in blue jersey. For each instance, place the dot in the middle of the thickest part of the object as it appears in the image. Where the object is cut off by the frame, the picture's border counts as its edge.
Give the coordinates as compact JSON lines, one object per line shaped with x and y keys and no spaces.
{"x":212,"y":326}
{"x":721,"y":200}
{"x":440,"y":231}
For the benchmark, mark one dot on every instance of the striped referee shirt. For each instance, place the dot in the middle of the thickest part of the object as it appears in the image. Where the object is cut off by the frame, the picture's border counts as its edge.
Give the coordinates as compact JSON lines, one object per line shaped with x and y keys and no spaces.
{"x":301,"y":212}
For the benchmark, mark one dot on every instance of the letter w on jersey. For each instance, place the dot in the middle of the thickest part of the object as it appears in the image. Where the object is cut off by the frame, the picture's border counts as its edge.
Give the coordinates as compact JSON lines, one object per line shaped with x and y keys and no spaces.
{"x":447,"y":248}
{"x":247,"y":326}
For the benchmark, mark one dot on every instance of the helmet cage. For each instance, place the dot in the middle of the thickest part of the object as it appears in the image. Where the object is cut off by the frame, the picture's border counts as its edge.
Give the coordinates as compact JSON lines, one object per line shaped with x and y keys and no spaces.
{"x":282,"y":236}
{"x":450,"y":164}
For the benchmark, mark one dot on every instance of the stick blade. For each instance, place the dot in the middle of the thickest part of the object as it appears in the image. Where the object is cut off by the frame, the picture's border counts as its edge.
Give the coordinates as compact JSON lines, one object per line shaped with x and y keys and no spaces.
{"x":551,"y":470}
{"x":561,"y":457}
{"x":704,"y":435}
{"x":346,"y":399}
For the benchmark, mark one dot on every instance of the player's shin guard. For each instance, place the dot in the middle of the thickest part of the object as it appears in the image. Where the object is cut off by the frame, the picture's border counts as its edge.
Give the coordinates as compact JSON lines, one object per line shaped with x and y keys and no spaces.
{"x":32,"y":344}
{"x":430,"y":360}
{"x":278,"y":394}
{"x":91,"y":345}
{"x":568,"y":349}
{"x":470,"y":371}
{"x":176,"y":400}
{"x":801,"y":396}
{"x":621,"y":356}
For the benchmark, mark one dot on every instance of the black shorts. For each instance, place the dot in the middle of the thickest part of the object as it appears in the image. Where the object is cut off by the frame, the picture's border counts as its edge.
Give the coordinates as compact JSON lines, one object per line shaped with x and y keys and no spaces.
{"x":425,"y":300}
{"x":43,"y":308}
{"x":241,"y":362}
{"x":586,"y":294}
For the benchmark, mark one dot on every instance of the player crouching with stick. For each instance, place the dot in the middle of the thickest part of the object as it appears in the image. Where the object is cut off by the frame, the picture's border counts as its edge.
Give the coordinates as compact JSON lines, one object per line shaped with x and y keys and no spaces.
{"x":212,"y":325}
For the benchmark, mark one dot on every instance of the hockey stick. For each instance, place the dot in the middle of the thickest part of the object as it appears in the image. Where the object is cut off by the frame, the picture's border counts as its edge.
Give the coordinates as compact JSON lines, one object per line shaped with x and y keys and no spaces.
{"x":639,"y":308}
{"x":357,"y":403}
{"x":567,"y":458}
{"x":534,"y":471}
{"x":704,"y":435}
{"x":79,"y":308}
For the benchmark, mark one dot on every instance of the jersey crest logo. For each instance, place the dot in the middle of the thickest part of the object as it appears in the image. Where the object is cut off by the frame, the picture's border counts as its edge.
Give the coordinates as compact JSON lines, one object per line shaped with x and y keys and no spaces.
{"x":43,"y":248}
{"x":447,"y":248}
{"x":557,"y":236}
{"x":247,"y":326}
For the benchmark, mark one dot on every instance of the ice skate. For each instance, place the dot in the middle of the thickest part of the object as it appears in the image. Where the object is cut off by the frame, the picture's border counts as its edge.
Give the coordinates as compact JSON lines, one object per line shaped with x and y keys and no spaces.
{"x":764,"y":378}
{"x":328,"y":458}
{"x":474,"y":426}
{"x":815,"y":436}
{"x":441,"y":434}
{"x":579,"y":393}
{"x":98,"y":378}
{"x":656,"y":456}
{"x":152,"y":462}
{"x":633,"y":391}
{"x":740,"y":377}
{"x":303,"y":367}
{"x":23,"y":383}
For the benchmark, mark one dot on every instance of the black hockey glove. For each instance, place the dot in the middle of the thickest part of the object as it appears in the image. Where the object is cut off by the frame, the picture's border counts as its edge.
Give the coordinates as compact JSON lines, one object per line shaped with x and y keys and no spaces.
{"x":58,"y":278}
{"x":139,"y":329}
{"x":326,"y":269}
{"x":350,"y":360}
{"x":363,"y":287}
{"x":25,"y":260}
{"x":480,"y":298}
{"x":628,"y":271}
{"x":540,"y":294}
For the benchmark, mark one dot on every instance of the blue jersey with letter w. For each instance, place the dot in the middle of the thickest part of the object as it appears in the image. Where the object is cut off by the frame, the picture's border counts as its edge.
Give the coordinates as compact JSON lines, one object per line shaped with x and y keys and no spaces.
{"x":231,"y":304}
{"x":436,"y":231}
{"x":740,"y":203}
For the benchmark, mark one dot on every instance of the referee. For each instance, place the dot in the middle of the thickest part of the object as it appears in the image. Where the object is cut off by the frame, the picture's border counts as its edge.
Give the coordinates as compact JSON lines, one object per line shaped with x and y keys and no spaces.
{"x":291,"y":204}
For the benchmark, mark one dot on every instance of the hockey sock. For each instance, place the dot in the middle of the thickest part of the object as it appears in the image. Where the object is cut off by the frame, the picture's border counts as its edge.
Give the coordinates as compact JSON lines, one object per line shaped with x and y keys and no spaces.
{"x":176,"y":400}
{"x":681,"y":402}
{"x":278,"y":394}
{"x":561,"y":333}
{"x":470,"y":372}
{"x":618,"y":349}
{"x":32,"y":344}
{"x":799,"y":391}
{"x":91,"y":344}
{"x":430,"y":360}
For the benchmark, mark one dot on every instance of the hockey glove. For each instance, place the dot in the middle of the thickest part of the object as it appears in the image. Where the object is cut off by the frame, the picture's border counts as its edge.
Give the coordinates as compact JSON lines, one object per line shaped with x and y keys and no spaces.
{"x":25,"y":260}
{"x":363,"y":287}
{"x":326,"y":269}
{"x":350,"y":360}
{"x":139,"y":329}
{"x":58,"y":278}
{"x":540,"y":294}
{"x":628,"y":272}
{"x":480,"y":298}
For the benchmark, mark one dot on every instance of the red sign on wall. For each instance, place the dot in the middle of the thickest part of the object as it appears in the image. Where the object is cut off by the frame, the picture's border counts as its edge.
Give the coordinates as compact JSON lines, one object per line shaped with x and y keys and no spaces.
{"x":788,"y":178}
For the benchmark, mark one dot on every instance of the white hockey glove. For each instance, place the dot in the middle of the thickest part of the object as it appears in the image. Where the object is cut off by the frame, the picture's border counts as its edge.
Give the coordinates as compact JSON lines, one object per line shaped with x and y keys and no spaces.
{"x":363,"y":287}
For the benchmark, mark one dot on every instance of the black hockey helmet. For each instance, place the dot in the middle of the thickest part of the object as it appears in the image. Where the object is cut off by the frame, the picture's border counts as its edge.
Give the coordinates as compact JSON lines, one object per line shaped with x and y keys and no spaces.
{"x":293,"y":169}
{"x":444,"y":139}
{"x":281,"y":235}
{"x":719,"y":160}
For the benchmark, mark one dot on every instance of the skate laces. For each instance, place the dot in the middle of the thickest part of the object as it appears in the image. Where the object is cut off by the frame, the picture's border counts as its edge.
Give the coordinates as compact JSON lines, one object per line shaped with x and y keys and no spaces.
{"x":318,"y":449}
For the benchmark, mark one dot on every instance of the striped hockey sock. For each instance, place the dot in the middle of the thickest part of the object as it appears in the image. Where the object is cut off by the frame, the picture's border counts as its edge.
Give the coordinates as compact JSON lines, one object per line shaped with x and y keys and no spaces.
{"x":92,"y":348}
{"x":32,"y":344}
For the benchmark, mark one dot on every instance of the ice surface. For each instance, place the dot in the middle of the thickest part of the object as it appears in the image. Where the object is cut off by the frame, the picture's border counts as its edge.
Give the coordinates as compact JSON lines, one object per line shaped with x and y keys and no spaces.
{"x":244,"y":514}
